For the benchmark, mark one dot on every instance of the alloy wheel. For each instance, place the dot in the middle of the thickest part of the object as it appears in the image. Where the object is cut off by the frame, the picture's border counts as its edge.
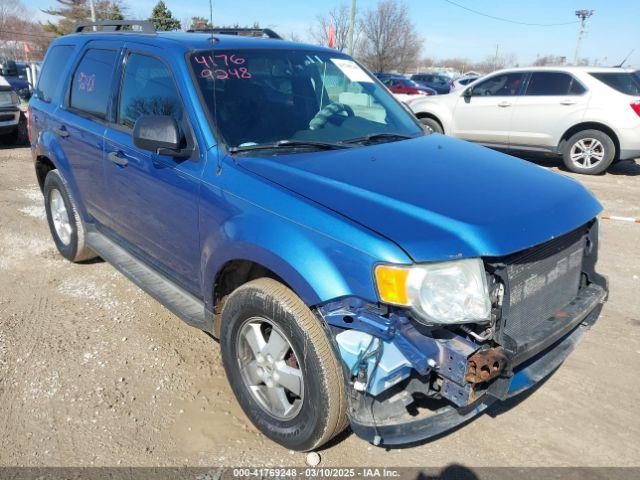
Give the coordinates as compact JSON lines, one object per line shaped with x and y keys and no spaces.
{"x":60,"y":216}
{"x":587,"y":153}
{"x":269,"y":368}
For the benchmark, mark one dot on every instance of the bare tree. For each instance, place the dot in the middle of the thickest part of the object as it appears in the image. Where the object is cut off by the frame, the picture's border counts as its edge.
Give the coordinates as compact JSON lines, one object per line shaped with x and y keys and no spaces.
{"x":493,"y":62}
{"x":460,"y":64}
{"x":339,"y":18}
{"x":21,"y":38}
{"x":390,"y":40}
{"x":550,"y":60}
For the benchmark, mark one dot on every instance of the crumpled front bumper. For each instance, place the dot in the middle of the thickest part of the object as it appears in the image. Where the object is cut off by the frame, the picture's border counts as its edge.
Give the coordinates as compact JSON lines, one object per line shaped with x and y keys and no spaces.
{"x":533,"y":366}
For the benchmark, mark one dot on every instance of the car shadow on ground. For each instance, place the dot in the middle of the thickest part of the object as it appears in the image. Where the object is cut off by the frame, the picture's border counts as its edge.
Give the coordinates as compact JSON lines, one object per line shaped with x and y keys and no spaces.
{"x":630,"y":168}
{"x":455,"y":471}
{"x":11,"y":146}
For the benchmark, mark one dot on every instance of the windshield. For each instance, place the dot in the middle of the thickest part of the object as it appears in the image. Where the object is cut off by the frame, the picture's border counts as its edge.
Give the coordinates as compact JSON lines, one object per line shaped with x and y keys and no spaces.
{"x":624,"y":82}
{"x":261,"y":97}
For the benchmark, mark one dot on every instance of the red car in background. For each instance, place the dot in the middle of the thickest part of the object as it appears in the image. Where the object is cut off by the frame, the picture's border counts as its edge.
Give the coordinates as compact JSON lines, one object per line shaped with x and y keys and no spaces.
{"x":405,"y":86}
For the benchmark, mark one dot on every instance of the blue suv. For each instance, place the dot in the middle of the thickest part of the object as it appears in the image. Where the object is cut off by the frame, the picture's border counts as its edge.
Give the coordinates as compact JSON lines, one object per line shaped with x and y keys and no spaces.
{"x":355,"y":269}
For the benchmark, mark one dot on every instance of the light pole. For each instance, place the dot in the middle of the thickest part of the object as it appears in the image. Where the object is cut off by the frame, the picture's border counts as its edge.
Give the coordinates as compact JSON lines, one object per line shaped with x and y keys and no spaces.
{"x":582,"y":15}
{"x":352,"y":25}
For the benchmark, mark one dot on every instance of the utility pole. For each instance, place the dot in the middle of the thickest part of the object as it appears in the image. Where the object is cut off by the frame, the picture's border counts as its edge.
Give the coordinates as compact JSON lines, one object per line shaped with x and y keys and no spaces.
{"x":92,"y":7}
{"x":495,"y":60}
{"x":582,"y":15}
{"x":352,"y":26}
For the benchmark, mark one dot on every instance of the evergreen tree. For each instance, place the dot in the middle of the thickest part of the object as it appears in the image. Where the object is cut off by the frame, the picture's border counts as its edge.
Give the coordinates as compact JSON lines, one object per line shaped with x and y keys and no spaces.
{"x":199,"y":23}
{"x":162,"y":18}
{"x":74,"y":11}
{"x":116,"y":13}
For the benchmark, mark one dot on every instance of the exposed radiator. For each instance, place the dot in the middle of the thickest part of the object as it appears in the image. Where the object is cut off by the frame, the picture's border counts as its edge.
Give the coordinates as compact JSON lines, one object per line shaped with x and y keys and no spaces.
{"x":540,"y":282}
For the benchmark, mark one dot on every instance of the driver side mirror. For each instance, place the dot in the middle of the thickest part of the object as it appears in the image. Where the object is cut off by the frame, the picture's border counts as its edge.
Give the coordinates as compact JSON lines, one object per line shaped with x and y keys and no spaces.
{"x":159,"y":134}
{"x":468,"y":93}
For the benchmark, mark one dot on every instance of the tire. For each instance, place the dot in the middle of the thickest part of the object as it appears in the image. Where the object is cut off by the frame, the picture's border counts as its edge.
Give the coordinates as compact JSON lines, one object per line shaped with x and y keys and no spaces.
{"x":431,"y":125}
{"x":318,"y":411}
{"x":69,"y":236}
{"x":589,"y":152}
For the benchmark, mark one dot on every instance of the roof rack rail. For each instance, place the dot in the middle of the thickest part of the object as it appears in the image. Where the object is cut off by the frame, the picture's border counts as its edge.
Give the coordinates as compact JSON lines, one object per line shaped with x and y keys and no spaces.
{"x":103,"y":26}
{"x":244,"y":32}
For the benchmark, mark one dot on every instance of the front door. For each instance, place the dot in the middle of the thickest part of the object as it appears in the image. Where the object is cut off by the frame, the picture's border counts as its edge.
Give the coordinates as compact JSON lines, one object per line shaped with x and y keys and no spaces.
{"x":154,"y":198}
{"x":485,"y":115}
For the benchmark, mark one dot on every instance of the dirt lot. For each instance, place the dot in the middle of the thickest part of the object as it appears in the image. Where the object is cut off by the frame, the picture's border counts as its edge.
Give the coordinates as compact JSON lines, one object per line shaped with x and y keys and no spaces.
{"x":95,"y":372}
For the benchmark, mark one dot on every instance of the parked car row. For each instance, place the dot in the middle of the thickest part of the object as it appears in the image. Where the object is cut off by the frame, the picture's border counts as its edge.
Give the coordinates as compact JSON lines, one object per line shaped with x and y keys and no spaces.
{"x":590,"y":116}
{"x":424,"y":83}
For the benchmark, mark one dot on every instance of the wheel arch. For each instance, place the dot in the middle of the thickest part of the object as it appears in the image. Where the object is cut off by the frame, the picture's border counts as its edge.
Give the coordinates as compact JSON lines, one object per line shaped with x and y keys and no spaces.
{"x":315,"y":267}
{"x":43,"y":165}
{"x":231,"y":275}
{"x":432,"y":116}
{"x":590,"y":126}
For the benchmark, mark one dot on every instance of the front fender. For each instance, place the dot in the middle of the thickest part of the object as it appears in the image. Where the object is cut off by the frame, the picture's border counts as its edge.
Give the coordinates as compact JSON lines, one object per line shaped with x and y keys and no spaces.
{"x":315,"y":264}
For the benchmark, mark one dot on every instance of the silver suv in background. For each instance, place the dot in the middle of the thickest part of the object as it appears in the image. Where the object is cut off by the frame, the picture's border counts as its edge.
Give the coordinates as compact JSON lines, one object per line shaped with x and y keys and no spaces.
{"x":589,"y":115}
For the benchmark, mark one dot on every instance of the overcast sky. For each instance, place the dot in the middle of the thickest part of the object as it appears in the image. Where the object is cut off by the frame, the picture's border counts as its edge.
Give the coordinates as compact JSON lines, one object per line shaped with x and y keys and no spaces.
{"x":448,"y":30}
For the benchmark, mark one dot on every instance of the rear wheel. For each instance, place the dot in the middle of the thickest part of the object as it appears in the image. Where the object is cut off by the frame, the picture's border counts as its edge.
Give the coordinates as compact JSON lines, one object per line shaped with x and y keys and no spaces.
{"x":281,"y":366}
{"x":589,"y":152}
{"x":65,"y":224}
{"x":431,"y":125}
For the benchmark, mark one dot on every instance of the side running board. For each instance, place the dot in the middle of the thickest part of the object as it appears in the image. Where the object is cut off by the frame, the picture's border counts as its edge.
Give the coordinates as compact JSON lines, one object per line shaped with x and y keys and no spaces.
{"x":180,"y":302}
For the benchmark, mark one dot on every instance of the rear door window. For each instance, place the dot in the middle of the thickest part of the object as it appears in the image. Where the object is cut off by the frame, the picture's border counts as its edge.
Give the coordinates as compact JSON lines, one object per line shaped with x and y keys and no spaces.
{"x":52,"y":78}
{"x":92,"y":81}
{"x":550,"y":84}
{"x":624,"y":82}
{"x":147,"y":89}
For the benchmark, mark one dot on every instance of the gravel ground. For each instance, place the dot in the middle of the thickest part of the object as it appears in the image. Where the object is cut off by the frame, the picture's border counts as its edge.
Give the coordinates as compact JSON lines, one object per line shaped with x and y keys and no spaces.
{"x":93,"y":372}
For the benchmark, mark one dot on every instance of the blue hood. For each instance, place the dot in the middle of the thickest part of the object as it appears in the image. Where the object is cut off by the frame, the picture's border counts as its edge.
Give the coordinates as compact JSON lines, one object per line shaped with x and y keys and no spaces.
{"x":437,"y":197}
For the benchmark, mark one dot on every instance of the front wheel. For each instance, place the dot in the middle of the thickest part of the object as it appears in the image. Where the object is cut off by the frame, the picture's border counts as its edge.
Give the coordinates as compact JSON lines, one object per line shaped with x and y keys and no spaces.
{"x":430,"y":125}
{"x":589,"y":152}
{"x":281,"y":366}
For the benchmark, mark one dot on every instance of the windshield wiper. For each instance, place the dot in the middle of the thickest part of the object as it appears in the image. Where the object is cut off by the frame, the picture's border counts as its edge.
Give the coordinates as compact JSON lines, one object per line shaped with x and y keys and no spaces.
{"x":288,"y":144}
{"x":377,"y":136}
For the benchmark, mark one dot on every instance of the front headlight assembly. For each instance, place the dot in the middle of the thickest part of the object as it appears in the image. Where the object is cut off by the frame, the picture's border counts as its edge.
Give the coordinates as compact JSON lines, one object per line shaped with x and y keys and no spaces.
{"x":450,"y":292}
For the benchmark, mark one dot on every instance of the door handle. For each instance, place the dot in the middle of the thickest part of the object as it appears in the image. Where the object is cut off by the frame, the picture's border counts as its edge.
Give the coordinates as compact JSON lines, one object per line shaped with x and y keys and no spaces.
{"x":504,"y":104}
{"x":568,"y":102}
{"x":118,"y":158}
{"x":62,"y":131}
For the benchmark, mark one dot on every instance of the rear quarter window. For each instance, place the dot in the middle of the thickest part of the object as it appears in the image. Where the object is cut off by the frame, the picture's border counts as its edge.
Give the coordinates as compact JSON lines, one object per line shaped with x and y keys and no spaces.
{"x":52,"y":78}
{"x":92,"y":82}
{"x":624,"y":82}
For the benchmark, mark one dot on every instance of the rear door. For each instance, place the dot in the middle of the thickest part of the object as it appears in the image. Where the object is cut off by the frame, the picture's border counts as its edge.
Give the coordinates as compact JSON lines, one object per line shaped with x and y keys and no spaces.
{"x":46,"y":96}
{"x":154,"y":198}
{"x":552,"y":102}
{"x":485,"y":116}
{"x":80,"y":123}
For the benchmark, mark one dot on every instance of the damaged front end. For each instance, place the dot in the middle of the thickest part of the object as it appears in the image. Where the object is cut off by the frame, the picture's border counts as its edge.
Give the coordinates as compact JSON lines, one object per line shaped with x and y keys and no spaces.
{"x":409,"y":380}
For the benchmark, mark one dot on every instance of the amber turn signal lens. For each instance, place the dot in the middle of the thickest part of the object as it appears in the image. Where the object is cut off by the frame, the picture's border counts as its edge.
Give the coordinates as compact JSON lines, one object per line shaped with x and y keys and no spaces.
{"x":392,"y":284}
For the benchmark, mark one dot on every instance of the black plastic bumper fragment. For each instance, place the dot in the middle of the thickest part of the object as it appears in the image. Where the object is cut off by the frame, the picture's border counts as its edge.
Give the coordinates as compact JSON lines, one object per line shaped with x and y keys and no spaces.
{"x":534,"y":365}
